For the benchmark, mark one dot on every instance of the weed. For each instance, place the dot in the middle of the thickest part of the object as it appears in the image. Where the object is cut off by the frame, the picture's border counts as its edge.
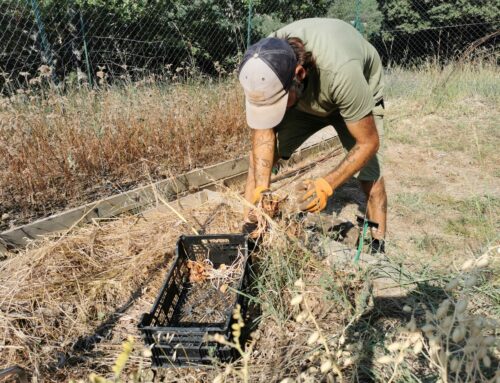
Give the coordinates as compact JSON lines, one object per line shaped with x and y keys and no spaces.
{"x":59,"y":150}
{"x":455,"y":343}
{"x":237,"y":327}
{"x":477,"y":218}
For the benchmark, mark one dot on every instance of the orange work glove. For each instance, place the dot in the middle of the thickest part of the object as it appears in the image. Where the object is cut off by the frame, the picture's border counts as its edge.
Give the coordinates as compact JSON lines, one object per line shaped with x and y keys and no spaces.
{"x":251,"y":224}
{"x":315,"y":194}
{"x":257,"y":194}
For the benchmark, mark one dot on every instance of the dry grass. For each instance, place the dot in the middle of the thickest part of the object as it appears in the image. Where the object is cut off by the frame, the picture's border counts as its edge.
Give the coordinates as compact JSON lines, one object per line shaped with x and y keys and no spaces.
{"x":73,"y":300}
{"x":65,"y":294}
{"x":450,"y":110}
{"x":60,"y":150}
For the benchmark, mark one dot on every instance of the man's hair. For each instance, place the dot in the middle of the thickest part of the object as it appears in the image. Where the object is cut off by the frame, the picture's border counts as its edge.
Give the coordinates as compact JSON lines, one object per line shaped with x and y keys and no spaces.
{"x":304,"y":57}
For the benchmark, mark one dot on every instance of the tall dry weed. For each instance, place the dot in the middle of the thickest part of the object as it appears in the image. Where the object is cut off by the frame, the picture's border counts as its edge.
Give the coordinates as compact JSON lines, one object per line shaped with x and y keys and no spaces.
{"x":59,"y":150}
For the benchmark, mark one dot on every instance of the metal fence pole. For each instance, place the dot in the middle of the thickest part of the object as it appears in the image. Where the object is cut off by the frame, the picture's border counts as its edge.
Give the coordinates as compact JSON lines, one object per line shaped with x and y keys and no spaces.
{"x":47,"y":54}
{"x":357,"y":20}
{"x":249,"y":22}
{"x":85,"y":49}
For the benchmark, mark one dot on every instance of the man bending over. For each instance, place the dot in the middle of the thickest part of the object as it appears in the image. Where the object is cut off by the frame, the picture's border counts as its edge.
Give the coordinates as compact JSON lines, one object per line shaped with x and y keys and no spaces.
{"x":310,"y":74}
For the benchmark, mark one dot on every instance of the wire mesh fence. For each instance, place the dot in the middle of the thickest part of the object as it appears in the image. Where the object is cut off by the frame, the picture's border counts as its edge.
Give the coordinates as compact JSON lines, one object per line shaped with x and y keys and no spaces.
{"x":96,"y":41}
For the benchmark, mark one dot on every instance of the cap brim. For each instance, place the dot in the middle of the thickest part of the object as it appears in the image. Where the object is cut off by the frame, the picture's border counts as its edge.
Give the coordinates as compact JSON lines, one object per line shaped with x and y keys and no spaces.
{"x":266,"y":116}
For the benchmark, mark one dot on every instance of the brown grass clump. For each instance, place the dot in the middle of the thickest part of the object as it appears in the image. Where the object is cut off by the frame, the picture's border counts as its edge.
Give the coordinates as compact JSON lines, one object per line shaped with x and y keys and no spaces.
{"x":68,"y":302}
{"x":59,"y":150}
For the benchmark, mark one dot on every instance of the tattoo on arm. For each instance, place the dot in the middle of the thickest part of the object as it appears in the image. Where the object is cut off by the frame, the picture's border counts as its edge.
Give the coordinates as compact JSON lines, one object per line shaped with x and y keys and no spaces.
{"x":344,"y":169}
{"x":264,"y":141}
{"x":264,"y":163}
{"x":250,"y":166}
{"x":262,"y":170}
{"x":350,"y":156}
{"x":263,"y":147}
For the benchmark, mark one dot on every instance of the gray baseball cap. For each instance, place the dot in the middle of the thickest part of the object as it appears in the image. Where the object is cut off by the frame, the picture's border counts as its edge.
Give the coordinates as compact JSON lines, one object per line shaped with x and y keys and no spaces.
{"x":266,"y":75}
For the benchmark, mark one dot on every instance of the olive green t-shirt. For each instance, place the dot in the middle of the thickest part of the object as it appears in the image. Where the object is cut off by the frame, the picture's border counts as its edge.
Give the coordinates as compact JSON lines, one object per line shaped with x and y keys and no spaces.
{"x":348,"y":78}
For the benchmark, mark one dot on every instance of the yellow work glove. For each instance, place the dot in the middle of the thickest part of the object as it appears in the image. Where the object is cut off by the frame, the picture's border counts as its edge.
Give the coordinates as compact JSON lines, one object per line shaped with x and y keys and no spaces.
{"x":314,"y":195}
{"x":257,"y":194}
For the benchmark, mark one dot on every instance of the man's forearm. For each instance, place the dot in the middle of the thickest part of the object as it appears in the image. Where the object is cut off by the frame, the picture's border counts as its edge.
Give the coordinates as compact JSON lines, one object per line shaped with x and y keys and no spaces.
{"x":355,"y":159}
{"x":263,"y":144}
{"x":365,"y":133}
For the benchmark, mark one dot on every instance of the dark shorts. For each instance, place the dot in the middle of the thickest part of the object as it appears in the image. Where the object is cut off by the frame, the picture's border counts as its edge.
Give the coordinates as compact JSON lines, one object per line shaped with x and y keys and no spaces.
{"x":297,"y":127}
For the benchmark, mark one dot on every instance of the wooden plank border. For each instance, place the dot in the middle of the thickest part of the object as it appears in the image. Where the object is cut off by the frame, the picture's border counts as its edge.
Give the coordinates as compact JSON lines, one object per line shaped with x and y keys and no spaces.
{"x":141,"y":198}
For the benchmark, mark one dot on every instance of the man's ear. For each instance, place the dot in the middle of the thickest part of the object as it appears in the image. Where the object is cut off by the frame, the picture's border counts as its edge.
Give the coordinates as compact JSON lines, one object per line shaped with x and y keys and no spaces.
{"x":300,"y":72}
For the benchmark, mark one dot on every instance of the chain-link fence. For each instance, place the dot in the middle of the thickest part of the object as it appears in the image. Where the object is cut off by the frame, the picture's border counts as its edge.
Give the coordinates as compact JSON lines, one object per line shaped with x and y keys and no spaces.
{"x":96,"y":40}
{"x":90,"y":40}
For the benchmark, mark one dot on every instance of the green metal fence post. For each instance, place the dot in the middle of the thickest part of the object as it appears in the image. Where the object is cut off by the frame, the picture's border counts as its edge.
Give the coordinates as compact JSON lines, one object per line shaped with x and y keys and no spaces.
{"x":357,"y":20}
{"x":47,"y":54}
{"x":85,"y":50}
{"x":249,"y":22}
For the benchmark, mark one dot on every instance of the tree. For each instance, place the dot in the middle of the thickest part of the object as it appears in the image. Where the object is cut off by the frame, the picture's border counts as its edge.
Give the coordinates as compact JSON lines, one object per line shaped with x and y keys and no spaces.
{"x":418,"y":29}
{"x":271,"y":15}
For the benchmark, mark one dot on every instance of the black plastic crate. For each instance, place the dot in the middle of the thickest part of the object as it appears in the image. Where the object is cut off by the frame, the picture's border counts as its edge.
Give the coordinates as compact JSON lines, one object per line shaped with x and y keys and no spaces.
{"x":181,"y":343}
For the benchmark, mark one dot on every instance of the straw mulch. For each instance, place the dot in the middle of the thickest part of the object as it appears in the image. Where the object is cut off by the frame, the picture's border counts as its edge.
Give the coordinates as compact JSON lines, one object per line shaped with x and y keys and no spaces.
{"x":67,"y":302}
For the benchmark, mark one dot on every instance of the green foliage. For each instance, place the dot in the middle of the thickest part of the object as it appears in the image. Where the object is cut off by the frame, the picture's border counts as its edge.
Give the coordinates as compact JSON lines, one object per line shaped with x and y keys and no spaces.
{"x":264,"y":24}
{"x":413,"y":16}
{"x":151,"y":35}
{"x":143,"y":33}
{"x":464,"y":11}
{"x":370,"y":15}
{"x":289,"y":10}
{"x":270,"y":16}
{"x":404,"y":16}
{"x":413,"y":31}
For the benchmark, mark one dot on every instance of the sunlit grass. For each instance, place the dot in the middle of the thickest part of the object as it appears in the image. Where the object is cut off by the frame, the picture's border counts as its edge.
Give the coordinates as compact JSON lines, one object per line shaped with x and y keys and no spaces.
{"x":59,"y":150}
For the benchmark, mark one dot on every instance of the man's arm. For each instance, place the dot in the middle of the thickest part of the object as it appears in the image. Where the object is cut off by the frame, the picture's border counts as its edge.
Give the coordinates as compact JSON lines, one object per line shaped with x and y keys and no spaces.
{"x":263,"y":145}
{"x":261,"y":155}
{"x":365,"y":133}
